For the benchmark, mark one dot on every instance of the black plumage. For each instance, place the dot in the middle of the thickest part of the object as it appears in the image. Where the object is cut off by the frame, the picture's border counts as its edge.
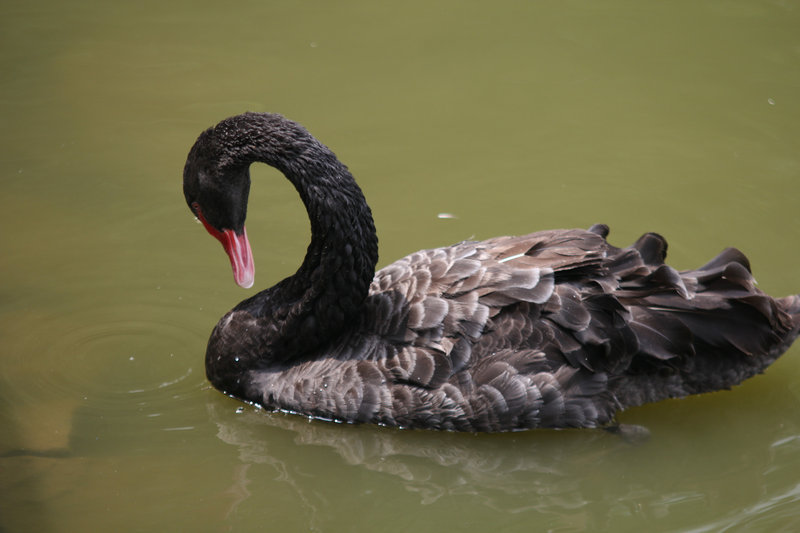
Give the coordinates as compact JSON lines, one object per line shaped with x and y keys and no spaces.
{"x":553,"y":329}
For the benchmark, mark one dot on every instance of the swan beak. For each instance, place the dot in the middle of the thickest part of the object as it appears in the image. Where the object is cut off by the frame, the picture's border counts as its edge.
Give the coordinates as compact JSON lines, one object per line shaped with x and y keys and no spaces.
{"x":236,"y":246}
{"x":238,"y":249}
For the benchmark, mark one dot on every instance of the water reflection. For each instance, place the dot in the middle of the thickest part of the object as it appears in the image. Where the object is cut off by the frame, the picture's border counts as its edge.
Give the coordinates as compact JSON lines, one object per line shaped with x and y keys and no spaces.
{"x":506,"y":472}
{"x":572,"y":479}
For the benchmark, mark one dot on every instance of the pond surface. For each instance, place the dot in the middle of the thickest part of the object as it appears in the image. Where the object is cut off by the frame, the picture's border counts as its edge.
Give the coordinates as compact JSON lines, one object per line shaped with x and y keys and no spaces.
{"x":677,"y":117}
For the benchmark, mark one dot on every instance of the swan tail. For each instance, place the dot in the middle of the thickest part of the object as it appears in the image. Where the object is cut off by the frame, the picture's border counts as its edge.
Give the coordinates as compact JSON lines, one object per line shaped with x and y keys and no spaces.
{"x":699,"y":330}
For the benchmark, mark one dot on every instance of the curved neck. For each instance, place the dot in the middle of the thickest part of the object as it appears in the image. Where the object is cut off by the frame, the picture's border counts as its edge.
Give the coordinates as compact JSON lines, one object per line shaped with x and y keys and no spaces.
{"x":314,"y":305}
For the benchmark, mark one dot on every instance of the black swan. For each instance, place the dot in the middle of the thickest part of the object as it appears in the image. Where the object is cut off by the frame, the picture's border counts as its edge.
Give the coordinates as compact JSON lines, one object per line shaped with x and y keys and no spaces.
{"x":549,"y":330}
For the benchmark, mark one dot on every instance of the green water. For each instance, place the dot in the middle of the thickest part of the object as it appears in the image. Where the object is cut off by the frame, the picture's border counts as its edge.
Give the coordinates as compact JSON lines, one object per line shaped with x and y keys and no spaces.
{"x":676,"y":117}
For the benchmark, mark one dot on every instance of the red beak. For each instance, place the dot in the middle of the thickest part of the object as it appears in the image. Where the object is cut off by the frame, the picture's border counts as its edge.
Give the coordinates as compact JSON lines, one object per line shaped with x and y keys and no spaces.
{"x":238,"y":249}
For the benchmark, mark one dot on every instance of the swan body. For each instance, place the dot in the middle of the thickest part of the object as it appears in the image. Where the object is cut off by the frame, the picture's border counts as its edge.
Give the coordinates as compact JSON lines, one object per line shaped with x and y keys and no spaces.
{"x":552,"y":329}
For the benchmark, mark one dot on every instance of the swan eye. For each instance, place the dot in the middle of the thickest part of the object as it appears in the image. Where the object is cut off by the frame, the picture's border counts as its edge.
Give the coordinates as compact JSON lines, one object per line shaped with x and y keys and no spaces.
{"x":197,"y":212}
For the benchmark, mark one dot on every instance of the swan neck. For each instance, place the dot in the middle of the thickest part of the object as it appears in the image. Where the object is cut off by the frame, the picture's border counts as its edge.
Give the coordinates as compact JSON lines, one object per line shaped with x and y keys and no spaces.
{"x":327,"y":292}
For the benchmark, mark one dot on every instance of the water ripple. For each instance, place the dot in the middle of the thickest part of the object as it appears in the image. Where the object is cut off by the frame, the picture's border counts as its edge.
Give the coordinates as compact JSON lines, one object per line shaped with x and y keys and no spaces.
{"x":95,"y":362}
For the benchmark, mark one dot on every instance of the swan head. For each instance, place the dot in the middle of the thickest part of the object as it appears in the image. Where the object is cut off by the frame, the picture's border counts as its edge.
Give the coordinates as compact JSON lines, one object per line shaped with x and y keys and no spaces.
{"x":217,"y":195}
